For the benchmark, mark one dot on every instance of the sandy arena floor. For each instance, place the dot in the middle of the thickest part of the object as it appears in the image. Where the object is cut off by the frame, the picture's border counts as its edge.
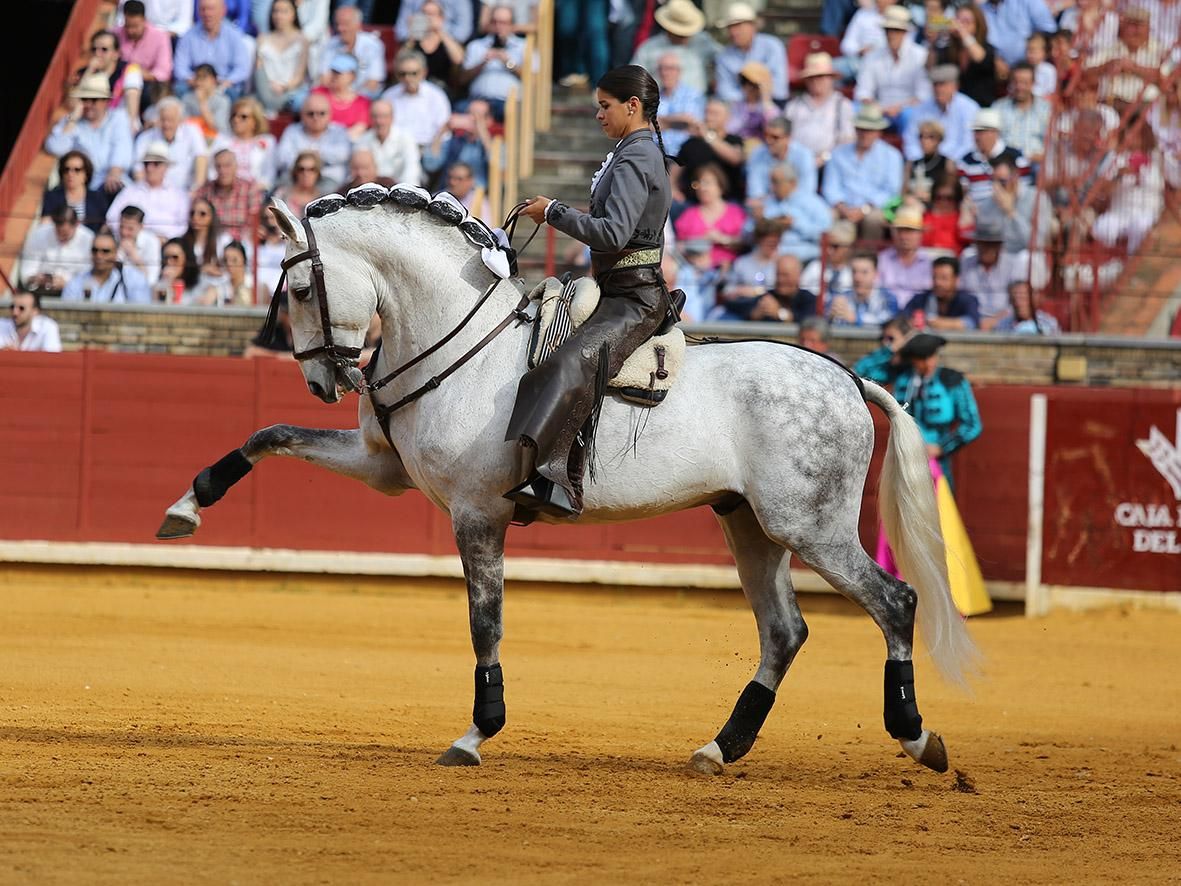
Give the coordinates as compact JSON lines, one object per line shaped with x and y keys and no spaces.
{"x":227,"y":729}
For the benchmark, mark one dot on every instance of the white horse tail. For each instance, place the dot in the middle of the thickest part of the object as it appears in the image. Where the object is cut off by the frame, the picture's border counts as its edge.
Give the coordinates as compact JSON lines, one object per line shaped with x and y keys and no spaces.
{"x":910,"y":514}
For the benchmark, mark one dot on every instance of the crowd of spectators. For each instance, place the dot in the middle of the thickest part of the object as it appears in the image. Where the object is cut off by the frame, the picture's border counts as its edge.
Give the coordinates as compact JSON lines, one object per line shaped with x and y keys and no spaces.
{"x":895,"y":177}
{"x":187,"y":115}
{"x":901,"y":174}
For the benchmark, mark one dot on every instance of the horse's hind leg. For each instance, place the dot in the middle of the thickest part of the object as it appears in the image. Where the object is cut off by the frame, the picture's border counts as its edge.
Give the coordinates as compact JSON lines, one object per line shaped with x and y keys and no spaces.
{"x":342,"y":452}
{"x":763,"y":567}
{"x":891,"y":604}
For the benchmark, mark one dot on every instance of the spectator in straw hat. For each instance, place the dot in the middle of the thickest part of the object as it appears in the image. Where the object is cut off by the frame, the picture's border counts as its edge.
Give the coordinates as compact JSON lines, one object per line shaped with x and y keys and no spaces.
{"x":895,"y":75}
{"x":863,"y":36}
{"x":951,"y":108}
{"x":749,"y":117}
{"x":684,"y":35}
{"x":902,"y":267}
{"x":165,"y":206}
{"x":93,"y":127}
{"x":862,"y":177}
{"x":745,"y":45}
{"x":821,"y":117}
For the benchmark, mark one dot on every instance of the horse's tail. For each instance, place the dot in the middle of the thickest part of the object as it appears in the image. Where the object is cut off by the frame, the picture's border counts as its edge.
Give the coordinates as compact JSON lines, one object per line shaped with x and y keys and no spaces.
{"x":910,"y":514}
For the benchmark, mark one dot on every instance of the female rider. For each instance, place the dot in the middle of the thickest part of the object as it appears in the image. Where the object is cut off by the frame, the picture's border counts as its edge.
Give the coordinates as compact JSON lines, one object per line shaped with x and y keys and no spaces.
{"x":630,"y":197}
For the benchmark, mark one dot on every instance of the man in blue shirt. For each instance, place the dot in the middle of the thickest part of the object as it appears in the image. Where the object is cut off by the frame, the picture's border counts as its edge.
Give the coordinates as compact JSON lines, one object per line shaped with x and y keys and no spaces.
{"x":213,"y":41}
{"x":951,"y":108}
{"x":748,"y":45}
{"x":862,"y":177}
{"x":779,"y":148}
{"x":680,"y":104}
{"x":945,"y":306}
{"x":107,"y":280}
{"x":1010,"y":22}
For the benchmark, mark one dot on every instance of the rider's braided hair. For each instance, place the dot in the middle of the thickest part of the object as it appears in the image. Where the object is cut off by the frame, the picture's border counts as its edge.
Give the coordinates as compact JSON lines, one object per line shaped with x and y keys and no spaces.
{"x":632,"y":80}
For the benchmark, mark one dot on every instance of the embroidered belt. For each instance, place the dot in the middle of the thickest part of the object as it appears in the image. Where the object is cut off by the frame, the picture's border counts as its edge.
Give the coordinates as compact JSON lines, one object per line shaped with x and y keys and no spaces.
{"x":639,"y":257}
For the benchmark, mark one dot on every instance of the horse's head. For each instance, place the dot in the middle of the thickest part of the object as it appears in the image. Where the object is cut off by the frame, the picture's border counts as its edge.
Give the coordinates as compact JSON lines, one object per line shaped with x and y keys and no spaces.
{"x":332,"y":300}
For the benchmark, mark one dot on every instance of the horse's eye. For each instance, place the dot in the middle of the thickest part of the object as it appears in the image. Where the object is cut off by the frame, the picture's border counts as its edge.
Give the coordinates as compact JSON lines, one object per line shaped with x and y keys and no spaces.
{"x":303,"y":293}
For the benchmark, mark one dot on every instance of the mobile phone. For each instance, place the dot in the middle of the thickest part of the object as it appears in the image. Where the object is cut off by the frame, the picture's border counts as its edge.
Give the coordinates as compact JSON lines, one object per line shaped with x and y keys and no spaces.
{"x":416,"y":27}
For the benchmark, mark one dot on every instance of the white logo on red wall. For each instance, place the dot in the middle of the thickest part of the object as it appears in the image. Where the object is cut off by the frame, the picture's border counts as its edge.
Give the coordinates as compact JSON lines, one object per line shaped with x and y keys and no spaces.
{"x":1155,"y":525}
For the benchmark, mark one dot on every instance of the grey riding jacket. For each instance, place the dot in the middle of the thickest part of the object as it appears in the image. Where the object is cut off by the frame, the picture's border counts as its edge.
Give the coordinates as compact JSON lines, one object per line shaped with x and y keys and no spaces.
{"x":630,"y":199}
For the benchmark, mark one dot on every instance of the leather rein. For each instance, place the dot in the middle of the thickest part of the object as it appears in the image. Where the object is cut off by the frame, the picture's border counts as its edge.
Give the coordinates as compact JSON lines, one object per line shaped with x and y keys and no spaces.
{"x":345,"y":359}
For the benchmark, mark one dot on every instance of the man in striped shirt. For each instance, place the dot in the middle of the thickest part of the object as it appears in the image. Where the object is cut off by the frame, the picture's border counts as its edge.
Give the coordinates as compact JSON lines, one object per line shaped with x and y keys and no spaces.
{"x":976,"y":165}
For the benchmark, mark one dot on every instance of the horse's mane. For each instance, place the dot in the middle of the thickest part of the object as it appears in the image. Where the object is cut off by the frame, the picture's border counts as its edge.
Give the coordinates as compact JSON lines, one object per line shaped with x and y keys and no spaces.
{"x":442,"y":206}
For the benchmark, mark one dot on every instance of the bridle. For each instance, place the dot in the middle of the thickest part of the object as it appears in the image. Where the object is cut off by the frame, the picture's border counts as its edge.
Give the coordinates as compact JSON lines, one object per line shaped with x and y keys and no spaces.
{"x":345,"y":360}
{"x":342,"y":358}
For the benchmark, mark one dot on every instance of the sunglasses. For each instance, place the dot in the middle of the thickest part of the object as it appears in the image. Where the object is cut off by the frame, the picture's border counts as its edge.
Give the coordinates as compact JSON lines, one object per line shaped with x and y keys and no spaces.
{"x":306,"y":169}
{"x":74,"y":169}
{"x":153,"y":163}
{"x":411,"y":73}
{"x":315,"y":113}
{"x":98,"y":250}
{"x":90,"y":101}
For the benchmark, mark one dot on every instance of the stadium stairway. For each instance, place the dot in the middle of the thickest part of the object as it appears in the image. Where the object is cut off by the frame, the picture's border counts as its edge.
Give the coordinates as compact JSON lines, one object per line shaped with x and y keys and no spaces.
{"x":1148,"y":293}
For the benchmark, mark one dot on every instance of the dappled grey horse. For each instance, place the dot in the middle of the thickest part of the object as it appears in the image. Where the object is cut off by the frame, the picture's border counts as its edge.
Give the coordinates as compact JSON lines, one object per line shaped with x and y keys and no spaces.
{"x":777,"y":439}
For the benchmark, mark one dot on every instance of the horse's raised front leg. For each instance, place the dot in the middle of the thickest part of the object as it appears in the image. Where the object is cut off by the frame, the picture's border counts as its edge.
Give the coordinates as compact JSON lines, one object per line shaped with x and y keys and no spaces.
{"x":342,"y":452}
{"x":480,"y":539}
{"x":763,"y":567}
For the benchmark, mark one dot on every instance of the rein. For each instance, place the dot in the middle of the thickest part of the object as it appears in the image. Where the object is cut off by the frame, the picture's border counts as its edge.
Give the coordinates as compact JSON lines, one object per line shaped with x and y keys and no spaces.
{"x":345,"y":359}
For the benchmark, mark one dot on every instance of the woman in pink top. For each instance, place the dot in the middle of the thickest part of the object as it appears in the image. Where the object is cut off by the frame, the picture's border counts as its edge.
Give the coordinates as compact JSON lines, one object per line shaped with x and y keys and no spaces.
{"x":713,"y":218}
{"x":349,"y":108}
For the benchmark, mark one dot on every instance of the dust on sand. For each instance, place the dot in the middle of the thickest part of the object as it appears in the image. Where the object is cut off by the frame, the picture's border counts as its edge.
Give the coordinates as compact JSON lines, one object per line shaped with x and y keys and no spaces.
{"x":164,"y":726}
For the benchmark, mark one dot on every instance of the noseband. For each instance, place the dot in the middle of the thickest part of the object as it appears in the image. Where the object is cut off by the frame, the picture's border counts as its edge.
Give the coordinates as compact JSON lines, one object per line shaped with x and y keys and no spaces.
{"x":344,"y":359}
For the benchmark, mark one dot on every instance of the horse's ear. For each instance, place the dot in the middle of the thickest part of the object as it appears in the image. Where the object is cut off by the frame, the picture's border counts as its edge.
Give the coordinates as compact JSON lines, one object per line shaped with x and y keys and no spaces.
{"x":289,"y":225}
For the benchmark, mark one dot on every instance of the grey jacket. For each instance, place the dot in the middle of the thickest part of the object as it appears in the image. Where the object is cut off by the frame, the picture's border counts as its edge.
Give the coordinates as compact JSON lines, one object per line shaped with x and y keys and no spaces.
{"x":629,"y":202}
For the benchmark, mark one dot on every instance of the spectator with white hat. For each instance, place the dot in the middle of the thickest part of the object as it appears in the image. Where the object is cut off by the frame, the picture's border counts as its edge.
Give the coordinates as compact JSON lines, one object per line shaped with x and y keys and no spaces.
{"x":862,"y":177}
{"x":684,"y":34}
{"x":951,"y":108}
{"x":188,"y":152}
{"x":748,"y":45}
{"x":895,"y":75}
{"x":821,"y":117}
{"x":165,"y":206}
{"x":93,"y":127}
{"x":976,"y":164}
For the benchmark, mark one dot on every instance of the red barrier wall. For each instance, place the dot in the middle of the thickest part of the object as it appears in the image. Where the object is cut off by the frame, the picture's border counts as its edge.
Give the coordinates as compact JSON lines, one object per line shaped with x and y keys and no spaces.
{"x":96,"y":444}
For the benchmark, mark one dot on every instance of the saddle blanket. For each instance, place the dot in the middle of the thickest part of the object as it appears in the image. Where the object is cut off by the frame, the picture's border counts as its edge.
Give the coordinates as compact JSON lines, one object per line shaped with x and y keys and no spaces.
{"x":646,"y":375}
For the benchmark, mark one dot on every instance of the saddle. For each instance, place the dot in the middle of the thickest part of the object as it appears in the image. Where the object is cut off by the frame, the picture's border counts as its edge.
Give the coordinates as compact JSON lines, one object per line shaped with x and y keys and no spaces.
{"x":646,"y":375}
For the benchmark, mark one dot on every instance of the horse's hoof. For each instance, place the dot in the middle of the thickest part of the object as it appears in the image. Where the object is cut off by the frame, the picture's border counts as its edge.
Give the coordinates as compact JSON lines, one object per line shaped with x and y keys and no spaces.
{"x":934,"y":755}
{"x":454,"y":756}
{"x":178,"y":525}
{"x":701,"y":764}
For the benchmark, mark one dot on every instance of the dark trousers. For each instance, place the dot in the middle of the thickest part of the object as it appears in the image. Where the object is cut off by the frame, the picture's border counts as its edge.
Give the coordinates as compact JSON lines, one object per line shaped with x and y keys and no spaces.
{"x":555,"y":398}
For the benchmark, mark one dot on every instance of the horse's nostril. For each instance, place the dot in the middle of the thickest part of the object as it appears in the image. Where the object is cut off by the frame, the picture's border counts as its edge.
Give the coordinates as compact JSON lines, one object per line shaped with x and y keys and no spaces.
{"x":316,"y":389}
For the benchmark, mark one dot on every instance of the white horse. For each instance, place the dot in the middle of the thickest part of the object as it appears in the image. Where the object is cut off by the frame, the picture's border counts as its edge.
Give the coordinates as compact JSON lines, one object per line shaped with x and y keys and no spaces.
{"x":777,"y":439}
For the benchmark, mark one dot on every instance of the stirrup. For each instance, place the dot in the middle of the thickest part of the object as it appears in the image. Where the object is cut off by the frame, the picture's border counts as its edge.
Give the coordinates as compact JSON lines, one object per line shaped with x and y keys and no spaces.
{"x":543,"y":496}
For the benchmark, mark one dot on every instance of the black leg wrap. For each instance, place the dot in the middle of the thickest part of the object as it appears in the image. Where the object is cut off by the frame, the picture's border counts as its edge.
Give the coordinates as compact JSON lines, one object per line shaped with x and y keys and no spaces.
{"x":739,"y":734}
{"x":902,"y":708}
{"x":488,"y":712}
{"x":215,"y":481}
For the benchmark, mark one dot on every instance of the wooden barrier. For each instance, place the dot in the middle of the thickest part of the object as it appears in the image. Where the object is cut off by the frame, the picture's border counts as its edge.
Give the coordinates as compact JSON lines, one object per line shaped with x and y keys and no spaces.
{"x":97,"y":444}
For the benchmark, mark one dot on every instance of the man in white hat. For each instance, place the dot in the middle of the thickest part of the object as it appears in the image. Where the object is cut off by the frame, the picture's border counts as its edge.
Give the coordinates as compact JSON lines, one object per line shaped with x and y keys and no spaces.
{"x":684,"y":35}
{"x":101,"y":132}
{"x":953,"y":110}
{"x":863,"y":176}
{"x":895,"y":75}
{"x":165,"y":206}
{"x":902,"y":267}
{"x":822,"y":117}
{"x":188,"y":153}
{"x":746,"y":45}
{"x":864,"y":34}
{"x":976,"y":164}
